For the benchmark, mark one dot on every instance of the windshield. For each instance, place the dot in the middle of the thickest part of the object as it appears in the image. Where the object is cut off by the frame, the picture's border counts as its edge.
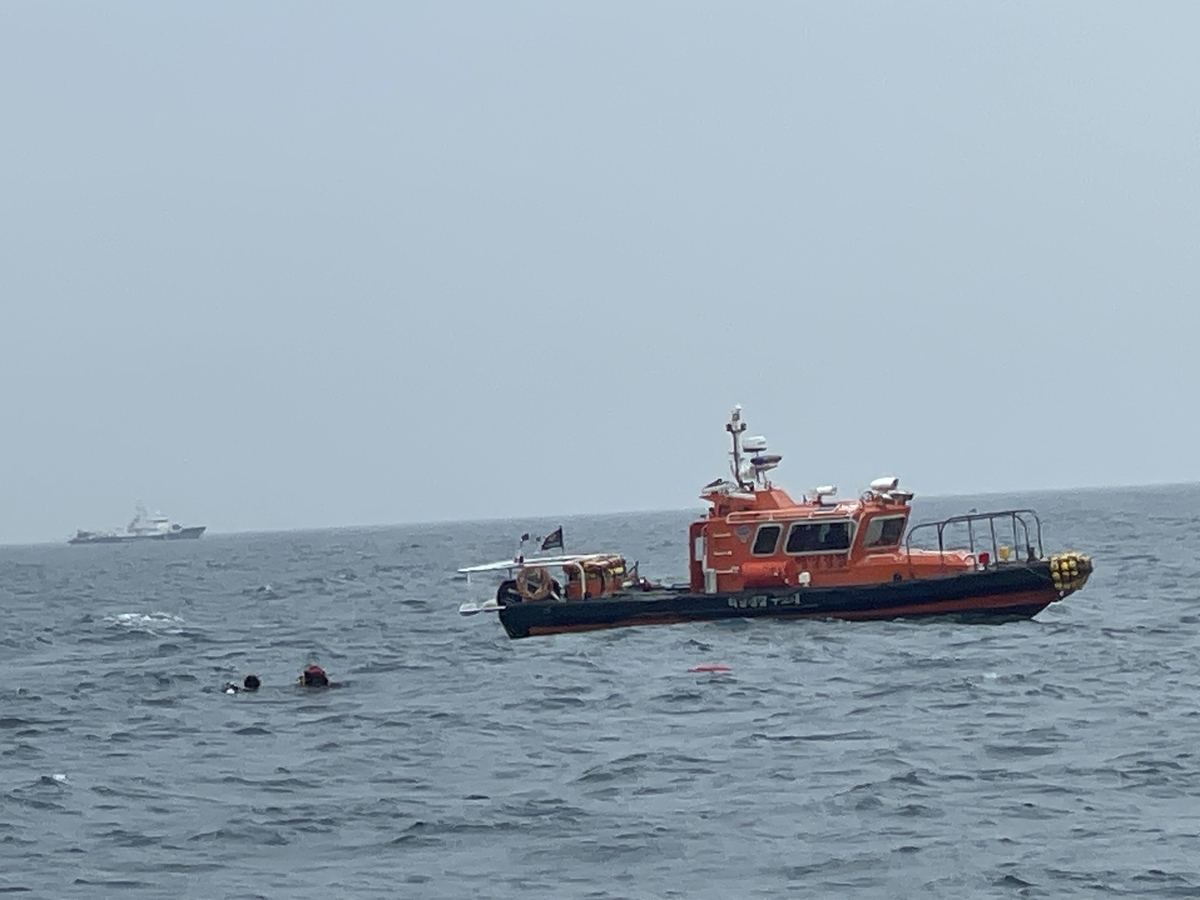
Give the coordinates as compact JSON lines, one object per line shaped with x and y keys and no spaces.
{"x":884,"y":531}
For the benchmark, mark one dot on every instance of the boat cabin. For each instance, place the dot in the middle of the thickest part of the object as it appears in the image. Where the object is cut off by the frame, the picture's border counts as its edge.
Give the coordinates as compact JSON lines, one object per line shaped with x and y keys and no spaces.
{"x":756,"y":536}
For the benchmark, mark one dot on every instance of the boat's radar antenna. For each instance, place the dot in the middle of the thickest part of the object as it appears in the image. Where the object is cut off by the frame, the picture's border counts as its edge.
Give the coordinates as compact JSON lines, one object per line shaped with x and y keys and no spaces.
{"x":749,"y":460}
{"x":764,"y":463}
{"x":761,"y":462}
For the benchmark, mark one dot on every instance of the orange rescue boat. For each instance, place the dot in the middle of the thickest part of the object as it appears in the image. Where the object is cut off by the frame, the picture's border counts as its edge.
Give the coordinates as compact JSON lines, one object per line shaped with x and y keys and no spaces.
{"x":759,"y":553}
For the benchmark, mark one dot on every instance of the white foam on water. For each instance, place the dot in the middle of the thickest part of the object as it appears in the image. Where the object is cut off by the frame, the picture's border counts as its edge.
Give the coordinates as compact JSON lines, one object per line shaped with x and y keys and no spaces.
{"x":155,"y":623}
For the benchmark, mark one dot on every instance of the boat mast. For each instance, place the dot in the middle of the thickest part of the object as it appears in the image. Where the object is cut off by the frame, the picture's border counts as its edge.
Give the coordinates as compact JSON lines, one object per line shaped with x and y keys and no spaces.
{"x":735,"y":428}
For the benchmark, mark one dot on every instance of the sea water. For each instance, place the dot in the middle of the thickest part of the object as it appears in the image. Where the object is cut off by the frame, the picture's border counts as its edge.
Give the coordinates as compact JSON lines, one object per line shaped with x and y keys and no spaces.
{"x":1058,"y":757}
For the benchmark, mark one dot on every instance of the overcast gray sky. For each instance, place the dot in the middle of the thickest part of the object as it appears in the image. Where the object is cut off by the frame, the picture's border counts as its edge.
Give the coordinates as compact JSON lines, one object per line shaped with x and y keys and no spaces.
{"x":279,"y":265}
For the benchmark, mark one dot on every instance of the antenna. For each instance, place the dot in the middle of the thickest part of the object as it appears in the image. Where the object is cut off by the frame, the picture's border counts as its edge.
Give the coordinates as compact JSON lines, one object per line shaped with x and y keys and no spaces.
{"x":735,"y":428}
{"x":764,"y":463}
{"x":752,"y":470}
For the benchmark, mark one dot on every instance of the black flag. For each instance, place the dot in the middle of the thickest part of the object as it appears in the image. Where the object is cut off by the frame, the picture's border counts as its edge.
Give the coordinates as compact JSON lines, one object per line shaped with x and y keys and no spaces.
{"x":553,"y":539}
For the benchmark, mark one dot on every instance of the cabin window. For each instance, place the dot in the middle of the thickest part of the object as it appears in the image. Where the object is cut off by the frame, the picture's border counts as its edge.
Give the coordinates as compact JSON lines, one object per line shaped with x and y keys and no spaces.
{"x":766,"y":540}
{"x":884,"y":531}
{"x":820,"y":537}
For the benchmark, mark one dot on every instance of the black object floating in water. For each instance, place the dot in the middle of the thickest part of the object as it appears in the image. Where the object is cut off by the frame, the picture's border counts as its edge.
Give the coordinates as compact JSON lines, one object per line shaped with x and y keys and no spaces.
{"x":314,"y":676}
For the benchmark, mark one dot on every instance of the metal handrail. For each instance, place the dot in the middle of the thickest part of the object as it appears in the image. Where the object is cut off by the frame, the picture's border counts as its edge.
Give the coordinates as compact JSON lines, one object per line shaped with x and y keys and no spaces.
{"x":1016,"y":518}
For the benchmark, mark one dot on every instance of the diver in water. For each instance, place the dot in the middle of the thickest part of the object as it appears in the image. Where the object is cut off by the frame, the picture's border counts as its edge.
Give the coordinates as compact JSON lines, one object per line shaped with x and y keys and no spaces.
{"x":313,"y":677}
{"x":250,"y":684}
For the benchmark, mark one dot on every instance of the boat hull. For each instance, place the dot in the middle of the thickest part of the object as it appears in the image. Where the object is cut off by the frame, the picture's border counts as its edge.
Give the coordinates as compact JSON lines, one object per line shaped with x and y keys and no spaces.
{"x":182,"y":534}
{"x":1017,"y":591}
{"x":186,"y":533}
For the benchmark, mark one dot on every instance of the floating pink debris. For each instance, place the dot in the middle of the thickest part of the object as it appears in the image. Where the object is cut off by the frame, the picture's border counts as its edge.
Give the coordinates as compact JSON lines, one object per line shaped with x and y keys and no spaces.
{"x":710,"y":667}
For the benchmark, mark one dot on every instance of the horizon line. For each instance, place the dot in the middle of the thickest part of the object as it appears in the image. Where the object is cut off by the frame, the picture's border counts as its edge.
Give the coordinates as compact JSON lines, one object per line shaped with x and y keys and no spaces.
{"x":304,"y":529}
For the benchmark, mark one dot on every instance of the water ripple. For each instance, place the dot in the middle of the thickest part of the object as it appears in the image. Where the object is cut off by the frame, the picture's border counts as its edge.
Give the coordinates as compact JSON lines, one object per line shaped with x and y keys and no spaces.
{"x":1053,"y":758}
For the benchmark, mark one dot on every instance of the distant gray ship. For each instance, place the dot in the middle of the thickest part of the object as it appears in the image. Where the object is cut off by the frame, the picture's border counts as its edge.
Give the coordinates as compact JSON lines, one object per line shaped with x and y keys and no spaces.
{"x":143,"y":528}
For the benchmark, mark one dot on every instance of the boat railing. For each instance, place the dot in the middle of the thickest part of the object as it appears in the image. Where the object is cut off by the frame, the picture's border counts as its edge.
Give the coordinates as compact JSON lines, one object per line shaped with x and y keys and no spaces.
{"x":989,"y":529}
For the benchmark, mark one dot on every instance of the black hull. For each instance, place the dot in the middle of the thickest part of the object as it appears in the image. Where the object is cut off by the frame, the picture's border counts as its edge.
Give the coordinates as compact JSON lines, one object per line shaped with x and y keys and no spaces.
{"x":1006,"y":592}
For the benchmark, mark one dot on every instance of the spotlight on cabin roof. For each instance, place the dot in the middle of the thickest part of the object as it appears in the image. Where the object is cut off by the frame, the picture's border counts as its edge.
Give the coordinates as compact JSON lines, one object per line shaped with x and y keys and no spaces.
{"x":820,"y":493}
{"x":886,"y":483}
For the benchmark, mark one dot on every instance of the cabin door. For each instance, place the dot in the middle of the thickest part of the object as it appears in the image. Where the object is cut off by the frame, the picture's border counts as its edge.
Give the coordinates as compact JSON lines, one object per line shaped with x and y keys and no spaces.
{"x":700,"y":555}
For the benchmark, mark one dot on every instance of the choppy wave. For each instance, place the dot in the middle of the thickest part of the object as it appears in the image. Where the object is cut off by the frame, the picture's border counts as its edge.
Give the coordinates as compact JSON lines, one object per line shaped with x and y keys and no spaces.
{"x":151,"y":623}
{"x":1053,"y":758}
